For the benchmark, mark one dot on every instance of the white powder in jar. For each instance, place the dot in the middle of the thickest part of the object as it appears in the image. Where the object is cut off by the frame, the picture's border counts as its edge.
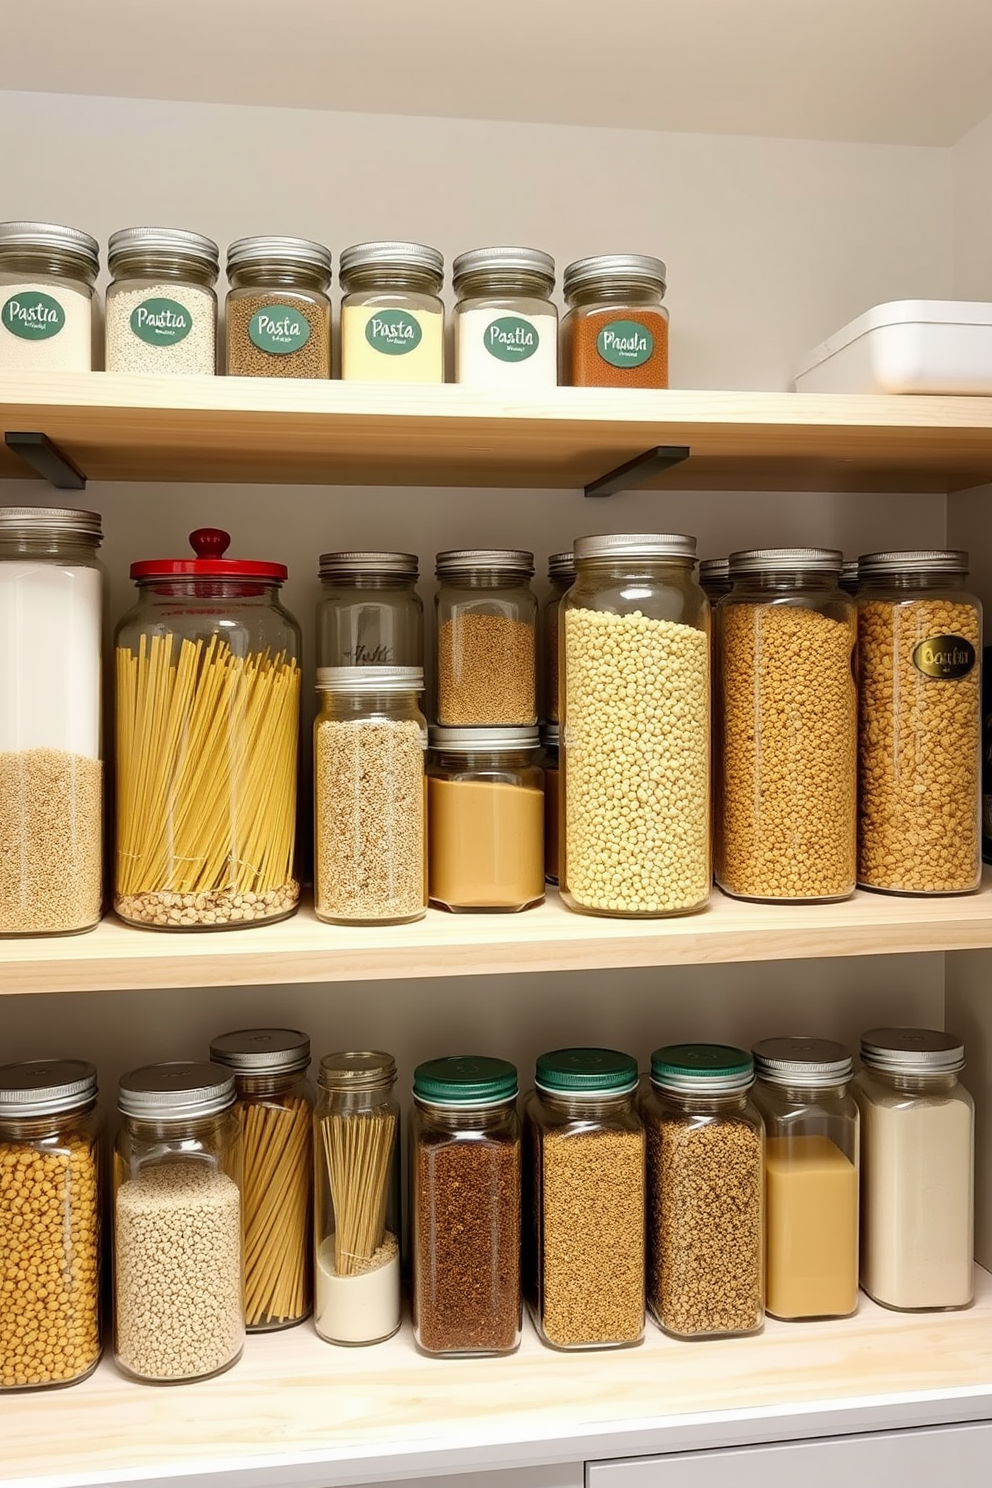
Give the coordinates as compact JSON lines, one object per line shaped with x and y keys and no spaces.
{"x":50,"y":643}
{"x":168,"y":327}
{"x":506,"y":349}
{"x":363,"y":1307}
{"x":46,"y":326}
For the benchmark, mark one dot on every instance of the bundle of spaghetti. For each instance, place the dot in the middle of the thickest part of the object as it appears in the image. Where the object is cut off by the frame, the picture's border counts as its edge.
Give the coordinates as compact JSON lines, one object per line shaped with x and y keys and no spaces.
{"x":278,"y":1209}
{"x":358,"y":1150}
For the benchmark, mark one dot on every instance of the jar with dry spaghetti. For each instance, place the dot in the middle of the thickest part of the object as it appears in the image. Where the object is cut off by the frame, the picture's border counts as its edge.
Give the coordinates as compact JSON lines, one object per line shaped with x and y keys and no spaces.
{"x":616,"y":331}
{"x":369,"y":612}
{"x":275,"y":1108}
{"x":561,"y":577}
{"x":486,"y":637}
{"x":278,"y":312}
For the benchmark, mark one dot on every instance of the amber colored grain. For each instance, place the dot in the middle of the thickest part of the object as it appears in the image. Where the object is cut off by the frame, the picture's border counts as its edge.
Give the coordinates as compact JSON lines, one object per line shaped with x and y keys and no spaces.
{"x":487,"y":670}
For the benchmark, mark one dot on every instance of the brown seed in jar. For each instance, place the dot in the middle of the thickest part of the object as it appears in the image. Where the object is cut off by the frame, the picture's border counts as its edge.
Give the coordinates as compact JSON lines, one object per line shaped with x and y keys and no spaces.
{"x":487,"y":671}
{"x":245,"y":359}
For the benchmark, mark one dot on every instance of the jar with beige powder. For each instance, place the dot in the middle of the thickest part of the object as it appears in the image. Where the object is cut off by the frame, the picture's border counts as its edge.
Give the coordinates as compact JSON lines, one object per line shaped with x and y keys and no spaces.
{"x":392,"y":318}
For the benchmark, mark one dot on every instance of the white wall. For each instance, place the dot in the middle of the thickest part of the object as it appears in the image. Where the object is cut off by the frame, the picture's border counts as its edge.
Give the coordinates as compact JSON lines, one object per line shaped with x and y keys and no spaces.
{"x":971,"y":163}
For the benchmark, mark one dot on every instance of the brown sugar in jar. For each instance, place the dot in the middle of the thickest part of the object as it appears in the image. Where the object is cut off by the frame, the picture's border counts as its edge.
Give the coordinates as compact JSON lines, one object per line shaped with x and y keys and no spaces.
{"x":616,"y":331}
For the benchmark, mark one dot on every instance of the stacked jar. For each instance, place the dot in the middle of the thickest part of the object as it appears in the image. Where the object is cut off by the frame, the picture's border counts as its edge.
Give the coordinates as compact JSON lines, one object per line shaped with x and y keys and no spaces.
{"x":369,"y":613}
{"x":47,"y":278}
{"x":161,"y":305}
{"x":506,"y":327}
{"x":392,"y":317}
{"x":278,"y":313}
{"x":486,"y":635}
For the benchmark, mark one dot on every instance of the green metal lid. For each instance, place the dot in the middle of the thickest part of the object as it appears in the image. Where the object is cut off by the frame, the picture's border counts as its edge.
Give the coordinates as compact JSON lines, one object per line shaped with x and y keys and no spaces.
{"x":703,"y":1069}
{"x":586,"y":1072}
{"x":465,"y":1080}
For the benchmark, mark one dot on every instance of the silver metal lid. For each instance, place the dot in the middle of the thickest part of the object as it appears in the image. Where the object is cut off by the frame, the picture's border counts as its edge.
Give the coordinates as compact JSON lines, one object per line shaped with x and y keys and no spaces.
{"x":850,"y":575}
{"x":786,"y":560}
{"x":51,"y":521}
{"x":635,"y":545}
{"x":175,"y":1090}
{"x":370,"y":679}
{"x":302,"y":251}
{"x":551,"y":735}
{"x":342,"y":565}
{"x":356,"y":1071}
{"x":400,"y":255}
{"x":607,"y":267}
{"x":51,"y":235}
{"x":128,"y":240}
{"x":43,"y":1087}
{"x":463,"y":560}
{"x":912,"y":1051}
{"x":562,"y":565}
{"x":262,"y":1051}
{"x":523,"y":260}
{"x":482,"y":737}
{"x":802,"y":1061}
{"x":916,"y":560}
{"x":714,"y":568}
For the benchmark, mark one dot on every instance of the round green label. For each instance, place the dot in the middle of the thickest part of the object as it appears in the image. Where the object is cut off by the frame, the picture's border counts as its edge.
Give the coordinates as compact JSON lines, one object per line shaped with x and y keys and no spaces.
{"x":393,"y":332}
{"x":511,"y":339}
{"x":279,"y":329}
{"x":160,"y":322}
{"x":32,"y":315}
{"x":625,"y":343}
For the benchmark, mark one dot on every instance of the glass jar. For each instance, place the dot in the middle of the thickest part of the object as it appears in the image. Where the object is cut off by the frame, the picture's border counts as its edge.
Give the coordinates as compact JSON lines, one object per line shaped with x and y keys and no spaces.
{"x":616,"y":331}
{"x":506,"y":328}
{"x":161,"y":303}
{"x":50,"y":1219}
{"x":787,"y":722}
{"x":178,"y":1240}
{"x":561,"y":577}
{"x":278,"y":313}
{"x":357,"y":1176}
{"x":849,"y":576}
{"x":208,"y":704}
{"x":552,"y":802}
{"x":486,"y":635}
{"x":585,"y":1154}
{"x":485,"y":813}
{"x":370,"y":804}
{"x":919,"y":653}
{"x":917,"y":1170}
{"x":47,"y":278}
{"x":705,"y":1192}
{"x":275,"y":1109}
{"x":369,"y":613}
{"x":465,"y":1180}
{"x":51,"y":771}
{"x":812,"y":1147}
{"x":714,"y":578}
{"x":636,"y":729}
{"x":392,"y":316}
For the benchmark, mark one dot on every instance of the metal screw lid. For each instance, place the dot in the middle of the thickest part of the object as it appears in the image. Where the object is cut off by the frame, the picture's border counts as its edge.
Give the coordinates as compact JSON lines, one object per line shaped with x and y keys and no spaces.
{"x":607,"y":268}
{"x":551,"y":735}
{"x":465,"y":1080}
{"x":370,"y":679}
{"x":51,"y":521}
{"x":356,"y":1070}
{"x":175,"y":1090}
{"x":262,"y":1051}
{"x":388,"y":255}
{"x":43,"y":1087}
{"x":702,"y":1069}
{"x":483,"y":737}
{"x":128,"y":240}
{"x":635,"y":545}
{"x":912,"y":1051}
{"x":51,"y":235}
{"x":298,"y":251}
{"x":456,"y":561}
{"x":850,"y":575}
{"x":590,"y":1072}
{"x":915,"y":560}
{"x":802,"y":1061}
{"x":786,"y":560}
{"x":522,"y":260}
{"x":344,"y":565}
{"x":562,"y":565}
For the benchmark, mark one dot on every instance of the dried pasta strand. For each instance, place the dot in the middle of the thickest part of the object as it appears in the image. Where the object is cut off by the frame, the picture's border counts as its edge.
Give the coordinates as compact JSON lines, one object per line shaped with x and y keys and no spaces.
{"x":358,"y":1152}
{"x":277,"y":1205}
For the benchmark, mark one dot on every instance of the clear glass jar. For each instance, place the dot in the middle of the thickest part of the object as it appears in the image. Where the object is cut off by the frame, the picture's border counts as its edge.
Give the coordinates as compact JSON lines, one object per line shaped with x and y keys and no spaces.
{"x":917,"y":1170}
{"x":561,"y":577}
{"x":369,"y":613}
{"x":485,"y":813}
{"x":714,"y":578}
{"x":636,"y":661}
{"x":51,"y":1168}
{"x":506,"y":327}
{"x":812,"y":1147}
{"x":552,"y":802}
{"x":278,"y":312}
{"x":161,"y":303}
{"x":392,"y":316}
{"x":47,"y":278}
{"x":920,"y":735}
{"x":208,"y":705}
{"x":370,"y":804}
{"x":465,"y":1193}
{"x":787,"y":723}
{"x":275,"y":1108}
{"x":51,"y":769}
{"x":616,"y":331}
{"x":357,"y":1177}
{"x":486,"y":636}
{"x":705,"y":1192}
{"x":585,"y":1156}
{"x":178,"y":1224}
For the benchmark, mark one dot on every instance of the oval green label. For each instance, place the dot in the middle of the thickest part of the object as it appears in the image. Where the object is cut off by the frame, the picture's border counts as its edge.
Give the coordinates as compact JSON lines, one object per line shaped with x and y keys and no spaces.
{"x":944,"y":656}
{"x":625,"y":343}
{"x":32,"y":315}
{"x":393,"y":332}
{"x":511,"y":339}
{"x":160,"y":322}
{"x":279,"y":329}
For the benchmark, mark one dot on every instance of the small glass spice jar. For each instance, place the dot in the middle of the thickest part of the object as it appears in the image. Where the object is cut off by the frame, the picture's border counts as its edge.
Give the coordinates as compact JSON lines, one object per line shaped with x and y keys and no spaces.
{"x":178,"y":1224}
{"x":278,"y":313}
{"x":369,"y":612}
{"x":616,"y":331}
{"x":506,"y":327}
{"x":812,"y":1146}
{"x":275,"y":1108}
{"x":47,"y":278}
{"x":705,"y":1192}
{"x":392,"y":316}
{"x":561,"y":577}
{"x":161,"y":303}
{"x":585,"y":1147}
{"x":50,"y":1220}
{"x":486,"y":635}
{"x":357,"y":1176}
{"x":370,"y":804}
{"x":465,"y":1182}
{"x":550,"y":737}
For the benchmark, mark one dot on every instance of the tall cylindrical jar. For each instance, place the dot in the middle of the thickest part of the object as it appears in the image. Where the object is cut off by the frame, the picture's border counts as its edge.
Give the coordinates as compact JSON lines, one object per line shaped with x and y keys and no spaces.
{"x":635,"y":728}
{"x":561,"y":577}
{"x":178,"y":1224}
{"x":917,"y":1170}
{"x":50,"y":1221}
{"x":486,"y":636}
{"x":278,"y":312}
{"x":161,"y":302}
{"x":506,"y":327}
{"x":369,"y":612}
{"x":919,"y":660}
{"x":51,"y":771}
{"x":392,"y":316}
{"x":551,"y":739}
{"x":275,"y":1108}
{"x":616,"y":331}
{"x":47,"y":278}
{"x":357,"y":1189}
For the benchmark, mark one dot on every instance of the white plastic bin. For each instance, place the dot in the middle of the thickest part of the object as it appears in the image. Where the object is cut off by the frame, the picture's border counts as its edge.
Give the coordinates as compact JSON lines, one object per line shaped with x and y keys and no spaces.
{"x":906,"y":346}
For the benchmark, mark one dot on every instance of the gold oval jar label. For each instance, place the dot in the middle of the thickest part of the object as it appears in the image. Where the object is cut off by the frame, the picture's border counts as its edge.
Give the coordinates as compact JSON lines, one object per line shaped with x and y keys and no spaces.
{"x":944,"y":656}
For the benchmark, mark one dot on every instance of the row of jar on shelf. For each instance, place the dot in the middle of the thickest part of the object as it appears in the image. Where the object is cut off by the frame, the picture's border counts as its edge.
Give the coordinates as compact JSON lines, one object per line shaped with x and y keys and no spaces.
{"x":234,"y":1206}
{"x":161,"y":310}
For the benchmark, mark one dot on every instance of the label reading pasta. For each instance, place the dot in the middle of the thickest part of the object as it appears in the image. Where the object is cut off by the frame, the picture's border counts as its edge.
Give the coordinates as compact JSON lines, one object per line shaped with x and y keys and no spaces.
{"x":625,"y":343}
{"x":32,"y":316}
{"x":511,"y":339}
{"x":279,"y":329}
{"x":161,"y":322}
{"x":393,"y":332}
{"x":944,"y":656}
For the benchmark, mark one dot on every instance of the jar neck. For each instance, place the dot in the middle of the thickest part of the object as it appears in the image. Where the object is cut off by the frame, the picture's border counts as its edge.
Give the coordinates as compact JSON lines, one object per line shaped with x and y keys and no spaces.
{"x":728,"y":1101}
{"x":346,"y":582}
{"x":487,"y":578}
{"x":279,"y":1082}
{"x":910,"y":582}
{"x":47,"y":261}
{"x":190,"y":588}
{"x":344,"y":1101}
{"x":583,"y":1105}
{"x":270,"y":274}
{"x":805,"y":1095}
{"x":465,"y":1117}
{"x":390,"y":276}
{"x":360,"y":704}
{"x":616,"y":292}
{"x":51,"y":1124}
{"x":72,"y":550}
{"x":171,"y":266}
{"x":501,"y":282}
{"x":917,"y":1084}
{"x":623,"y":569}
{"x":486,"y":759}
{"x":177,"y":1129}
{"x":794,"y":579}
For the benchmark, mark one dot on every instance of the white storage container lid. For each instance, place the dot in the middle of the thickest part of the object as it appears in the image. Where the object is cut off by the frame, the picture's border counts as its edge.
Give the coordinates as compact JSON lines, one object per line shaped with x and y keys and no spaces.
{"x":898,"y":312}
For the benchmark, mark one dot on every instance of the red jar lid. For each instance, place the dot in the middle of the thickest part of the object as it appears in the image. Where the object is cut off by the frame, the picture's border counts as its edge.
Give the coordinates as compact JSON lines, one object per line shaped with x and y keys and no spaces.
{"x":209,"y":544}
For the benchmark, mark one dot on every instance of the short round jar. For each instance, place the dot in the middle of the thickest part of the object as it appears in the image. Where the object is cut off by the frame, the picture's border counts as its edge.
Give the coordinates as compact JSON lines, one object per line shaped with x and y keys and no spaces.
{"x":369,"y":612}
{"x":47,"y":278}
{"x":392,"y":317}
{"x":278,"y":313}
{"x":616,"y":331}
{"x":506,"y":327}
{"x":161,"y":304}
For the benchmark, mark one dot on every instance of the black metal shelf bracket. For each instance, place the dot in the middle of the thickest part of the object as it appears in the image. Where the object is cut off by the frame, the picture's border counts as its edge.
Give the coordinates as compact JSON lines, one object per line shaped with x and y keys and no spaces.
{"x":38,"y":451}
{"x":662,"y":457}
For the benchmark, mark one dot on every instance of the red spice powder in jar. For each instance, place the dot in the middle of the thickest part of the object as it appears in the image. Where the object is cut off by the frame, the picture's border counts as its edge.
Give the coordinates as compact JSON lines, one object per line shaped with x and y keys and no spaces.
{"x":616,"y":331}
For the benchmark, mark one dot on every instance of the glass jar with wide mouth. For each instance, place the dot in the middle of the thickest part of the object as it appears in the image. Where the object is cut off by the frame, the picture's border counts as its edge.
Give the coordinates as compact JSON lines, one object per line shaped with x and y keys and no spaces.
{"x":370,"y":803}
{"x":486,"y":637}
{"x":208,"y":709}
{"x":161,"y":303}
{"x":787,"y":728}
{"x":278,"y":312}
{"x":178,"y":1224}
{"x":616,"y":331}
{"x":275,"y":1109}
{"x":920,"y":731}
{"x":51,"y":1167}
{"x":465,"y":1197}
{"x":47,"y":279}
{"x":392,"y":315}
{"x":812,"y":1146}
{"x":506,"y":327}
{"x":550,"y":738}
{"x":561,"y":577}
{"x":369,"y":612}
{"x":917,"y":1170}
{"x":585,"y":1149}
{"x":635,"y":728}
{"x":357,"y":1189}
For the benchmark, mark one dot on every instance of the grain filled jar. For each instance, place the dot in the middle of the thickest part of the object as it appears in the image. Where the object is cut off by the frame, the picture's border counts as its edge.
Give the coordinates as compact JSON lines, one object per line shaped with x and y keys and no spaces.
{"x":207,"y":704}
{"x":635,"y":728}
{"x":812,"y":1146}
{"x":161,"y":303}
{"x":278,"y":313}
{"x":392,"y":316}
{"x":47,"y":278}
{"x":486,"y":635}
{"x":561,"y":577}
{"x":506,"y":327}
{"x":585,"y":1148}
{"x":178,"y":1250}
{"x":370,"y":802}
{"x":51,"y":770}
{"x":616,"y":331}
{"x":369,"y":612}
{"x":50,"y":1220}
{"x":275,"y":1109}
{"x":551,"y":739}
{"x":465,"y":1195}
{"x":917,"y":1170}
{"x":787,"y":728}
{"x":919,"y":756}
